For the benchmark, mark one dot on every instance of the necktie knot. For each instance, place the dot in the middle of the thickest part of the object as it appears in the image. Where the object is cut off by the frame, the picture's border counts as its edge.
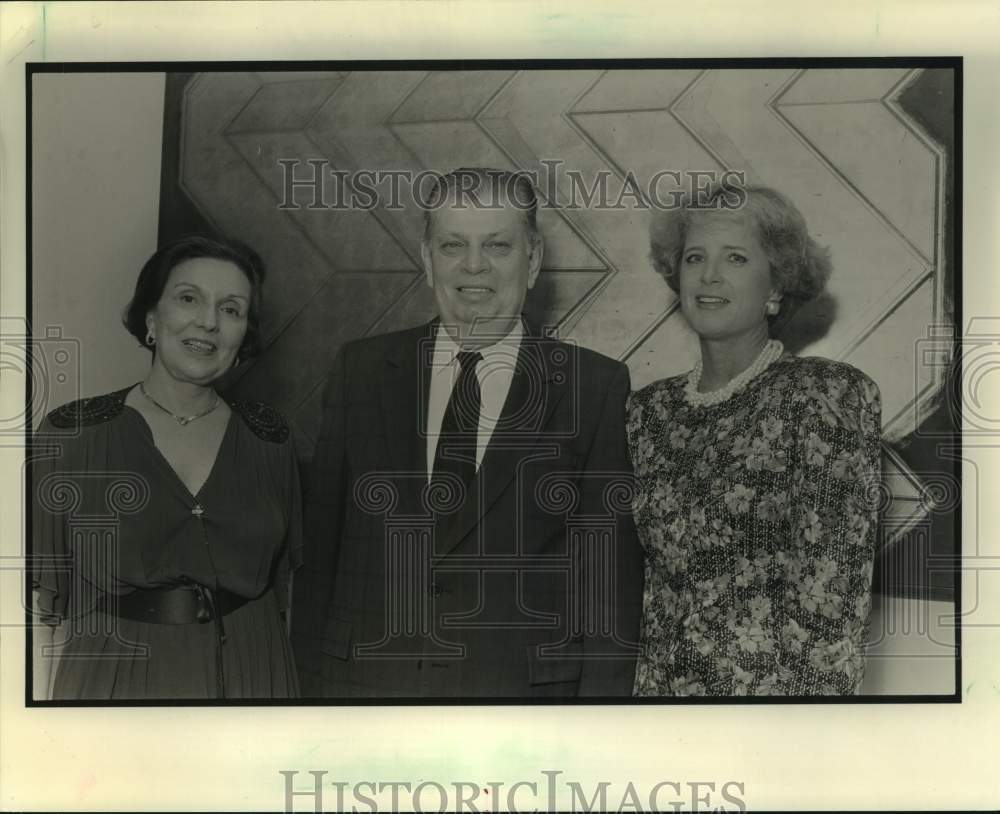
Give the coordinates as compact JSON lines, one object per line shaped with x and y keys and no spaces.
{"x":467,"y":358}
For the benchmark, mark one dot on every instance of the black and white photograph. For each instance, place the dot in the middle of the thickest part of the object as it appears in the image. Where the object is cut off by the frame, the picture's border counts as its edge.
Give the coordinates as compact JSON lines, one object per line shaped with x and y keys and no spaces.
{"x":600,"y":382}
{"x":435,"y":388}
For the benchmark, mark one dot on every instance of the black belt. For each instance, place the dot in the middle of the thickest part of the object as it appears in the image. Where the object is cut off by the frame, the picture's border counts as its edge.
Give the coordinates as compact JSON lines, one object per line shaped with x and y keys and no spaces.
{"x":180,"y":605}
{"x":174,"y":605}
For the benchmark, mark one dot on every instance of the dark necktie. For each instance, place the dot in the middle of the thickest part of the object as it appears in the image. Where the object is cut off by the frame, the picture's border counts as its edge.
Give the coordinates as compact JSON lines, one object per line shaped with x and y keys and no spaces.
{"x":456,"y":447}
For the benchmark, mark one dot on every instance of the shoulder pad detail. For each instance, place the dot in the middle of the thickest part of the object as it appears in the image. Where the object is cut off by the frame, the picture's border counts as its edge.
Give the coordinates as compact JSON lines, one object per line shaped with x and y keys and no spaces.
{"x":266,"y":423}
{"x":90,"y":411}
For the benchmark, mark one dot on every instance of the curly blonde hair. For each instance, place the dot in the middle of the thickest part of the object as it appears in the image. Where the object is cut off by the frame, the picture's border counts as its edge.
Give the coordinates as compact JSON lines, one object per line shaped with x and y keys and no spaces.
{"x":800,"y":267}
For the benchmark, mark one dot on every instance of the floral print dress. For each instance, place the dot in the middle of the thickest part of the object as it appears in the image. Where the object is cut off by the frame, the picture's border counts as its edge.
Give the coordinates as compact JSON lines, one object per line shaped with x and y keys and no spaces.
{"x":758,"y":518}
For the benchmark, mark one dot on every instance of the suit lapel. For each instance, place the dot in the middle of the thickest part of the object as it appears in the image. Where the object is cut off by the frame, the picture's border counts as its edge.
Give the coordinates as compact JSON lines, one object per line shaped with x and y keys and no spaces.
{"x":406,"y":383}
{"x":539,"y":383}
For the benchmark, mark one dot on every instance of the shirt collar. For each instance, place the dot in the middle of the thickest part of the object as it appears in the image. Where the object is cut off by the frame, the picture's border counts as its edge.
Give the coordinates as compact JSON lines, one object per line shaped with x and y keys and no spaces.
{"x":503,"y":351}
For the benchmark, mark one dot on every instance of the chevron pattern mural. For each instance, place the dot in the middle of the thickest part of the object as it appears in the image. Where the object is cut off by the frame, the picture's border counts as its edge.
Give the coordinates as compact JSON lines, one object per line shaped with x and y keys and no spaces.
{"x":869,"y":180}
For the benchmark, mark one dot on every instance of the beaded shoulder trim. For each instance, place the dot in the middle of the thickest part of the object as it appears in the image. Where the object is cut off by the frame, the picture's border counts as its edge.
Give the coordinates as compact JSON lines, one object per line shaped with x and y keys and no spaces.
{"x":90,"y":411}
{"x":264,"y":421}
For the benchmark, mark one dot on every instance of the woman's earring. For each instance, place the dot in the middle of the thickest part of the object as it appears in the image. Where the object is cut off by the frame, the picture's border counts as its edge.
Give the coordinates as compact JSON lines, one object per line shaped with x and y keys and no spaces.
{"x":772,"y":308}
{"x":150,"y":339}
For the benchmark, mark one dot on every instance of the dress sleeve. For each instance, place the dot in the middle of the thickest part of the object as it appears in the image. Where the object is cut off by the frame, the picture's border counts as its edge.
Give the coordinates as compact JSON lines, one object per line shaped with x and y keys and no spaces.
{"x":291,"y":550}
{"x":53,"y":497}
{"x":828,"y":560}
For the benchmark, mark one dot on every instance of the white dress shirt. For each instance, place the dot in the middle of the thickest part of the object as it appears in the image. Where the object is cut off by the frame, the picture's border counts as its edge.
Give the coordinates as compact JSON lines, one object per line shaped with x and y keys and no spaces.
{"x":495,"y":372}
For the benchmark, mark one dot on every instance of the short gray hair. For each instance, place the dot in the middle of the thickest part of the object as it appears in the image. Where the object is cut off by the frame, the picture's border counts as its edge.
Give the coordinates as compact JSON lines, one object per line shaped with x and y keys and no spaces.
{"x":515,"y":188}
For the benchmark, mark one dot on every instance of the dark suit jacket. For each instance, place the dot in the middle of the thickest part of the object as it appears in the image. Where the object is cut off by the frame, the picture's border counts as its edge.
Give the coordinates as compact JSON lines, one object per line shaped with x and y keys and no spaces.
{"x":531,"y":587}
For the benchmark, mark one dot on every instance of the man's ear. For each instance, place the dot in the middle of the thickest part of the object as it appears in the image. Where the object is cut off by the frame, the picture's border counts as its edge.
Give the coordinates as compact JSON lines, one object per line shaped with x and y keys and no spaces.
{"x":535,"y":259}
{"x":425,"y":255}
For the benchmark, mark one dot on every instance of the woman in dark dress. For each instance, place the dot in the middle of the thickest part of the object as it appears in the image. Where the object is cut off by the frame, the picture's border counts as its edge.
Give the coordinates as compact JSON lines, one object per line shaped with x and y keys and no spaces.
{"x":166,"y":521}
{"x":757,"y":472}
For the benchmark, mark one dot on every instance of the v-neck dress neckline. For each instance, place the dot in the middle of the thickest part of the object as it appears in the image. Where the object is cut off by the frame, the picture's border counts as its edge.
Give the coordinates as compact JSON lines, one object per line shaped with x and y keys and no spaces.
{"x":147,"y":432}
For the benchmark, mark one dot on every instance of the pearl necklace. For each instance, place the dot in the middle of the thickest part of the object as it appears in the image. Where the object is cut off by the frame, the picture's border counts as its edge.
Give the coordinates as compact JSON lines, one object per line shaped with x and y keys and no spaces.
{"x":183,"y":420}
{"x":769,"y":354}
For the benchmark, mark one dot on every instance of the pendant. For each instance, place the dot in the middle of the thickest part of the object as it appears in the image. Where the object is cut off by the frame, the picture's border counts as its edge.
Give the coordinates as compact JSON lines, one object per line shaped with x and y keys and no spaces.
{"x":183,"y":421}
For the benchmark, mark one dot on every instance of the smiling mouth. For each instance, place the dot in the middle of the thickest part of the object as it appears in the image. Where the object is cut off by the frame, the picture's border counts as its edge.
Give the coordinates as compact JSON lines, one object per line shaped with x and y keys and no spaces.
{"x":474,"y":291}
{"x":711,"y":301}
{"x":199,"y":346}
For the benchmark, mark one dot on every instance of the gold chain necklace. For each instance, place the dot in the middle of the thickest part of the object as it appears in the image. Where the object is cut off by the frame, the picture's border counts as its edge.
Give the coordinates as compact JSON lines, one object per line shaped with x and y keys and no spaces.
{"x":183,"y":420}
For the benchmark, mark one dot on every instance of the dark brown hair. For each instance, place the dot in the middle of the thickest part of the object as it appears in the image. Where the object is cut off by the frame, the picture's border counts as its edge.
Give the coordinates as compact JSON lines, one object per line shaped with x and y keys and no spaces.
{"x":153,"y":279}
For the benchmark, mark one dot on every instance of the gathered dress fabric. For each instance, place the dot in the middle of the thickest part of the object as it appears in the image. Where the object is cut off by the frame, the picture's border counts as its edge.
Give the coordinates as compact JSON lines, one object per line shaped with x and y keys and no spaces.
{"x":111,"y":516}
{"x":758,"y":518}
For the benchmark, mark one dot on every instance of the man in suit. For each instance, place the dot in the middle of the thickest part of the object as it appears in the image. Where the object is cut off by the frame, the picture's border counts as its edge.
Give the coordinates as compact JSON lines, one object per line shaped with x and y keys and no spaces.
{"x":468,"y":528}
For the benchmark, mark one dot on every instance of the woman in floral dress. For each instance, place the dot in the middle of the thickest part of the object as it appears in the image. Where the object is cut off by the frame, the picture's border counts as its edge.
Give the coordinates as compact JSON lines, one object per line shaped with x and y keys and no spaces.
{"x":757,"y":472}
